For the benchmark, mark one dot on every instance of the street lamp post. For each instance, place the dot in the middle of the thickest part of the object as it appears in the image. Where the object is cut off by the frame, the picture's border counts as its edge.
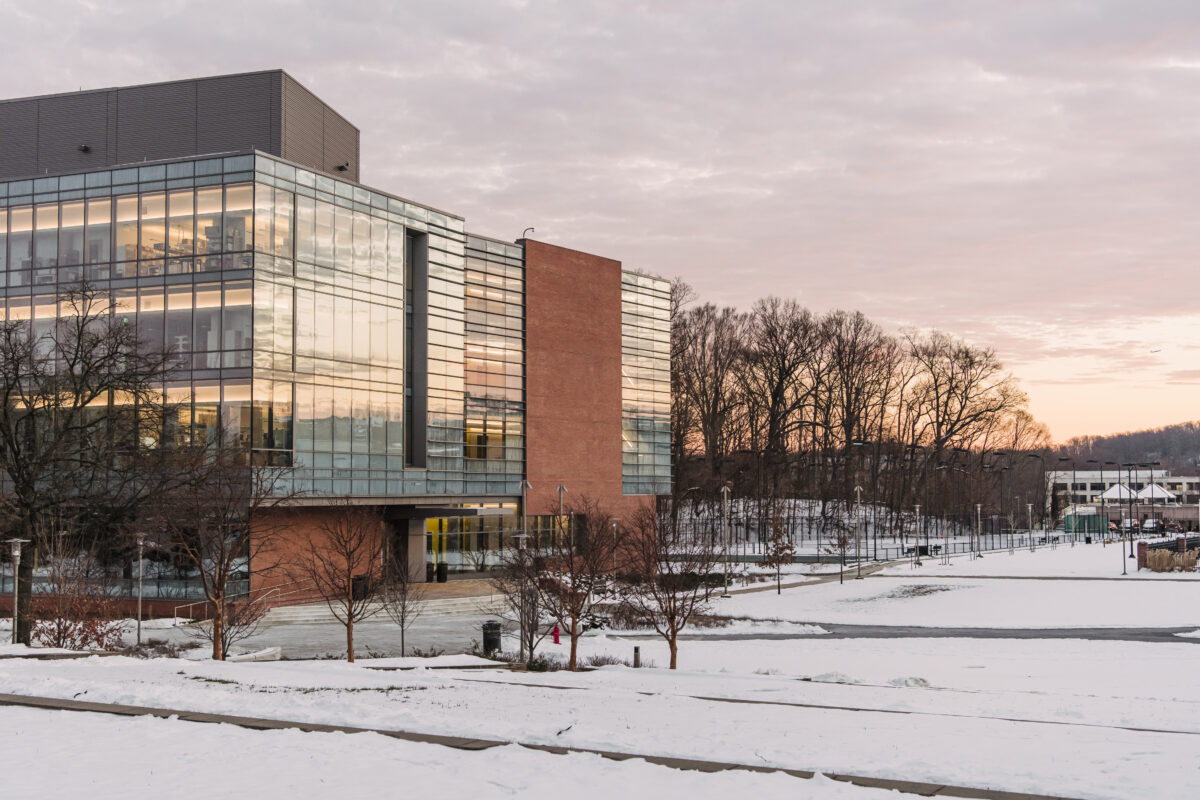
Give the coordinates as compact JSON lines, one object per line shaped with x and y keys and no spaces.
{"x":916,"y":538}
{"x":1029,"y":512}
{"x":15,"y":544}
{"x":615,"y":520}
{"x":562,"y":524}
{"x":141,"y":543}
{"x":725,"y":532}
{"x":978,"y":530}
{"x":857,"y":530}
{"x":1129,"y":491}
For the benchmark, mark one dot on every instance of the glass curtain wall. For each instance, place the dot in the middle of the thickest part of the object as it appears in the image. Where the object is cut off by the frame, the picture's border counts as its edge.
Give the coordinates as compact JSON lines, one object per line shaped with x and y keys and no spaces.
{"x":645,"y":384}
{"x":494,"y":433}
{"x":281,"y":295}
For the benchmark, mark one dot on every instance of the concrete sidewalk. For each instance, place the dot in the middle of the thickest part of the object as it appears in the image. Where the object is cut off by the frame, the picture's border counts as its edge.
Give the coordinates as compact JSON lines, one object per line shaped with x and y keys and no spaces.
{"x":465,"y":743}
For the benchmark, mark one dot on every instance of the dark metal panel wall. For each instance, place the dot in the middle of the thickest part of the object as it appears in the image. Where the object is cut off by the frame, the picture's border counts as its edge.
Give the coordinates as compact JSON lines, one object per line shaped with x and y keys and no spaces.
{"x":18,"y":138}
{"x":303,"y":125}
{"x":234,"y":113}
{"x":315,"y":134}
{"x":67,"y":123}
{"x":266,"y":111}
{"x":156,"y":122}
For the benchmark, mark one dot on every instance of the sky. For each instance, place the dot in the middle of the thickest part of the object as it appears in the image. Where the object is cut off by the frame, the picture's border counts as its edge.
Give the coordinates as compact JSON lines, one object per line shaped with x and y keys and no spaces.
{"x":1020,"y":173}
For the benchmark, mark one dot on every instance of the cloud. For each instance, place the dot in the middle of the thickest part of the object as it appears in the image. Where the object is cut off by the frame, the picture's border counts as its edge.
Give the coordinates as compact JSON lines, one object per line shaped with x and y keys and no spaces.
{"x":1021,"y":174}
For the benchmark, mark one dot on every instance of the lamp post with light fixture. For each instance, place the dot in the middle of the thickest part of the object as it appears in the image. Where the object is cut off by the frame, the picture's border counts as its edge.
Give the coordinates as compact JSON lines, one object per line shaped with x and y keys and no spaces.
{"x":15,"y":544}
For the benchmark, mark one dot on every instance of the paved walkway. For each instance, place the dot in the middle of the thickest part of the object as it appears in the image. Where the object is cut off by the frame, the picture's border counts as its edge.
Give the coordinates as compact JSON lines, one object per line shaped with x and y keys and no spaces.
{"x":463,"y":743}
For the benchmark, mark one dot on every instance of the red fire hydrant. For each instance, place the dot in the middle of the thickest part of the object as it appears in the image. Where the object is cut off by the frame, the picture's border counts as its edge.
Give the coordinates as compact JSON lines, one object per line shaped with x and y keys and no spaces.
{"x":554,"y":633}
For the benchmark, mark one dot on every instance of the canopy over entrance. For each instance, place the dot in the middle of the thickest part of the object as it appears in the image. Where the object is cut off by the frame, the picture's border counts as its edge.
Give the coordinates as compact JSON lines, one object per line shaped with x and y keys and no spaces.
{"x":1118,"y":492}
{"x":1155,"y":492}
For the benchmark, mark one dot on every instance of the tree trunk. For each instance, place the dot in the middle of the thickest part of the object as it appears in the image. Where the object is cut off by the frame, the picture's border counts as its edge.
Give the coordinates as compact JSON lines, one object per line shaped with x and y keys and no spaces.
{"x":778,"y":580}
{"x":673,"y":643}
{"x":402,"y":653}
{"x":349,"y":638}
{"x":24,"y":621}
{"x":572,"y":662}
{"x":218,"y":631}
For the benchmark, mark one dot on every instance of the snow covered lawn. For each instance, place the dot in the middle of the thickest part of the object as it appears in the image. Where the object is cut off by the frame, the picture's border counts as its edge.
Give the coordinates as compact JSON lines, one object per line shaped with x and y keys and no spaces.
{"x":1081,"y":561}
{"x":1053,"y":717}
{"x":116,"y":757}
{"x":965,"y":603}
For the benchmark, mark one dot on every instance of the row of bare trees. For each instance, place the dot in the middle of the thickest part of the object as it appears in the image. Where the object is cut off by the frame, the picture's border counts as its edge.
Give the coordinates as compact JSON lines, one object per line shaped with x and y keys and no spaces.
{"x":646,"y":571}
{"x":780,"y":402}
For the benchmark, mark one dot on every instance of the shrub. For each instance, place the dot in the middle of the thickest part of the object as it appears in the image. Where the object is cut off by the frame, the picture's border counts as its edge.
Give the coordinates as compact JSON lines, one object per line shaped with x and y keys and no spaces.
{"x":1171,"y":561}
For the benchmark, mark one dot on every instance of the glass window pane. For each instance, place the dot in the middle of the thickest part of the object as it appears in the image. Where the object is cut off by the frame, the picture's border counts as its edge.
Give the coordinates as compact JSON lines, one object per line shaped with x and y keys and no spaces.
{"x":127,"y":228}
{"x":343,"y":329}
{"x":235,"y":413}
{"x":206,"y":328}
{"x":283,"y":224}
{"x":151,"y":305}
{"x":237,"y":332}
{"x":362,"y":242}
{"x":99,"y":231}
{"x":179,"y":319}
{"x":282,"y":317}
{"x":281,"y":416}
{"x":20,"y":242}
{"x":263,"y":200}
{"x":46,"y":238}
{"x":3,"y":238}
{"x":239,"y":201}
{"x":208,"y":220}
{"x":396,"y":246}
{"x":343,"y":239}
{"x":324,"y":229}
{"x":324,"y":323}
{"x":306,"y":213}
{"x":322,"y":418}
{"x":181,"y":234}
{"x":70,"y":234}
{"x":154,"y":231}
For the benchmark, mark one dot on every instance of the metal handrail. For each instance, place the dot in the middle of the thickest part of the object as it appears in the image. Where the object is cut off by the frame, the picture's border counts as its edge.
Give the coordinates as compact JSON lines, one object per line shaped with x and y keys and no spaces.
{"x":267,"y":591}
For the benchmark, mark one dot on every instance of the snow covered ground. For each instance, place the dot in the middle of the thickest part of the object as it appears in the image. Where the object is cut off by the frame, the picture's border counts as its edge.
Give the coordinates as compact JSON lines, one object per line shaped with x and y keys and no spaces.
{"x":1066,"y":717}
{"x":1071,"y":718}
{"x":189,"y":760}
{"x":968,"y":593}
{"x":1081,"y":561}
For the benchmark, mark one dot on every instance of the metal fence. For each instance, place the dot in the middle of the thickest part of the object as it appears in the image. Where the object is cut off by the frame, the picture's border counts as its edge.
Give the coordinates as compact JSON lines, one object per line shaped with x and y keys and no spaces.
{"x":152,"y":589}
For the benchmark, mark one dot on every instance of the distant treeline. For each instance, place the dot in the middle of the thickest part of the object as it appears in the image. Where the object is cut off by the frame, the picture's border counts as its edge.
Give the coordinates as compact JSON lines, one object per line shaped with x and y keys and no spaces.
{"x":1174,"y":447}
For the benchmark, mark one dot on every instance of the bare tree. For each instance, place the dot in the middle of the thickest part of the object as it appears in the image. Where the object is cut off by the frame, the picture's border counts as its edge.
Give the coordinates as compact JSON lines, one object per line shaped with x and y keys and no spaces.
{"x":402,"y":597}
{"x":669,"y":570}
{"x":514,"y":583}
{"x":780,"y":551}
{"x":74,"y":610}
{"x":712,"y":344}
{"x":570,"y":576}
{"x":224,"y":521}
{"x":342,"y":561}
{"x":81,"y":410}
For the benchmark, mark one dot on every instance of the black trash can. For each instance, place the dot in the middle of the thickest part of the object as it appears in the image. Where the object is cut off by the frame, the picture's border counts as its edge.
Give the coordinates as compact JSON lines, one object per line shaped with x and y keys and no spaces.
{"x":922,"y":550}
{"x":429,"y":571}
{"x":359,"y":587}
{"x":491,"y":636}
{"x":443,"y":572}
{"x":1087,"y":540}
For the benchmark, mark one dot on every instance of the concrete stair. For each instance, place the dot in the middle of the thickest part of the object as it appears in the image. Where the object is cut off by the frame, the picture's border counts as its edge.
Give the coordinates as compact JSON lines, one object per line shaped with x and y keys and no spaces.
{"x":316,"y":613}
